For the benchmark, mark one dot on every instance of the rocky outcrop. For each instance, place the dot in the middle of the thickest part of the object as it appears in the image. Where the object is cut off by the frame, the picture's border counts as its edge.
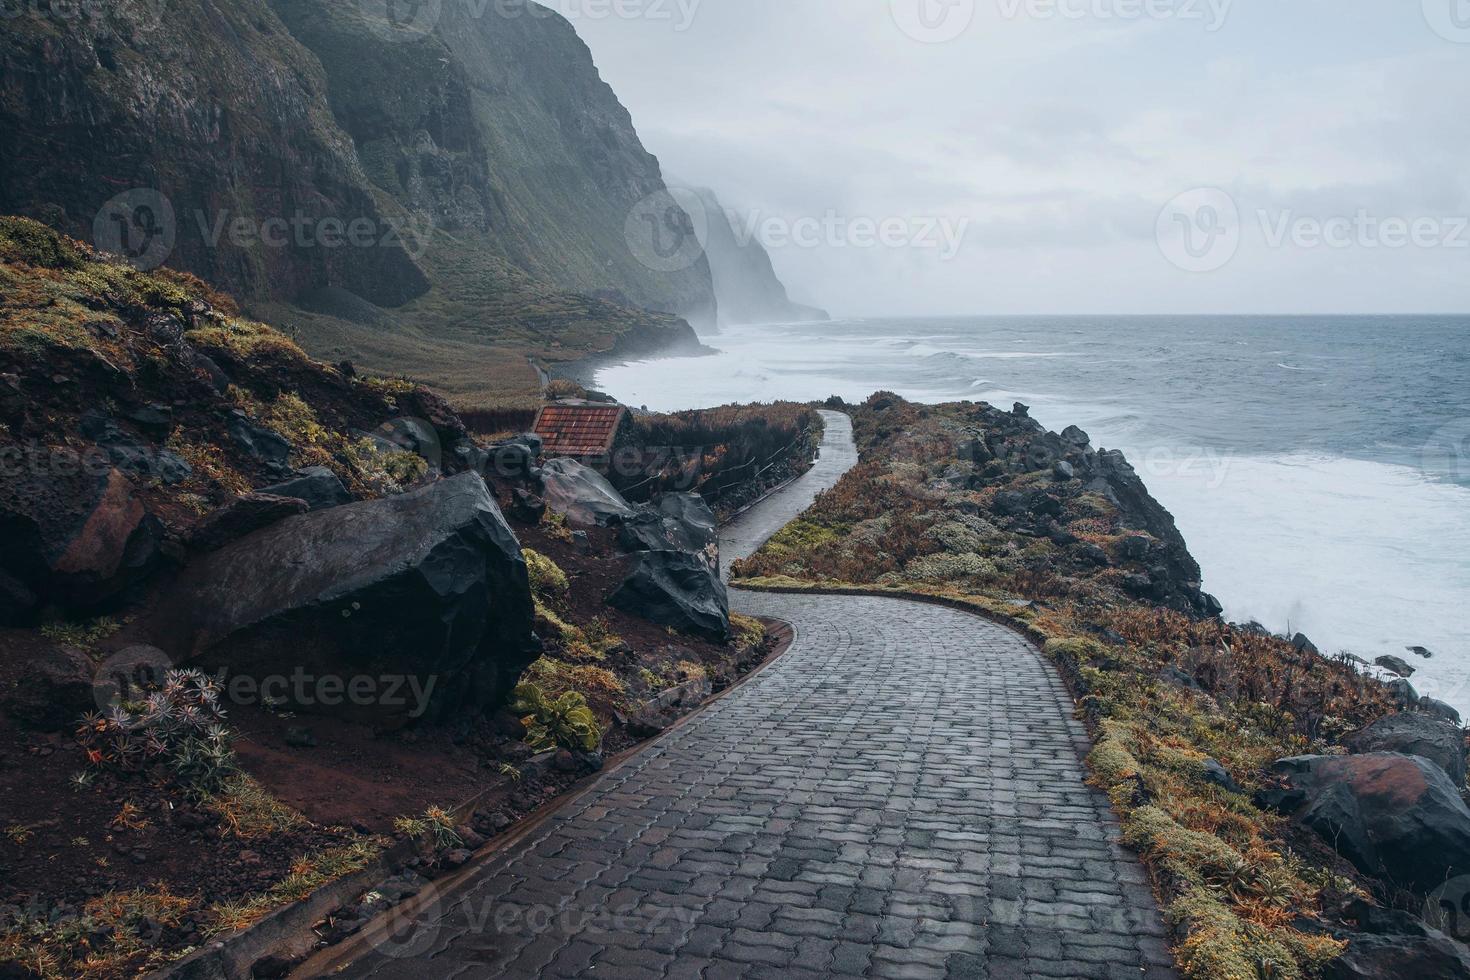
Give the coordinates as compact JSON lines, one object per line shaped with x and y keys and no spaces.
{"x":429,"y":587}
{"x":317,"y":485}
{"x":208,"y":106}
{"x":1395,"y":817}
{"x":1395,"y":665}
{"x":1005,"y":446}
{"x":316,"y":154}
{"x":746,"y":284}
{"x":54,"y":688}
{"x":75,"y":537}
{"x":1415,"y":734}
{"x":1391,"y":945}
{"x":678,"y":590}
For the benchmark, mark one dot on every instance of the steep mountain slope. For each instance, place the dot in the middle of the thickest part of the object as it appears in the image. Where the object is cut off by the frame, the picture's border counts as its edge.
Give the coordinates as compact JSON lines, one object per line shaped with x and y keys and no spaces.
{"x":493,"y":119}
{"x":746,"y":283}
{"x":435,"y":198}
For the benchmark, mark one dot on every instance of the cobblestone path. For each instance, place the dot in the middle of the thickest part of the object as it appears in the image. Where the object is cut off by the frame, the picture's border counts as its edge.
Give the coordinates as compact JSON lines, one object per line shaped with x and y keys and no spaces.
{"x":900,"y":795}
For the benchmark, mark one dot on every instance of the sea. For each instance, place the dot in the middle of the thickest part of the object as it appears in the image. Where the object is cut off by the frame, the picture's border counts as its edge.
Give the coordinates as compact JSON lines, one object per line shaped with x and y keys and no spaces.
{"x":1318,"y":467}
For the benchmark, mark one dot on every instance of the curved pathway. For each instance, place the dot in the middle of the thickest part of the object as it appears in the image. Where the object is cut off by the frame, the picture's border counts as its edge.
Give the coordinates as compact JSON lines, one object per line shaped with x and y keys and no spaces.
{"x":900,"y":795}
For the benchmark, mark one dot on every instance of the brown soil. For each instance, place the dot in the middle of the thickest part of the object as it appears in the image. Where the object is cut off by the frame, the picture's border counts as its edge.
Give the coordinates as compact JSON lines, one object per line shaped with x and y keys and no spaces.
{"x":350,"y":783}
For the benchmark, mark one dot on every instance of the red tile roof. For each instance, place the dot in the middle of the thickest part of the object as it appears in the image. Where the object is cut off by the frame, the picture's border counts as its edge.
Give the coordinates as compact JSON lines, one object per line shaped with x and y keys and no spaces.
{"x":579,"y":430}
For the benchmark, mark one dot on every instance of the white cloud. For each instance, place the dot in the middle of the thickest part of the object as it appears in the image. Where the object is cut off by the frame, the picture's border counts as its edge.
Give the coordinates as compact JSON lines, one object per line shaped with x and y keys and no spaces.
{"x":1059,"y":140}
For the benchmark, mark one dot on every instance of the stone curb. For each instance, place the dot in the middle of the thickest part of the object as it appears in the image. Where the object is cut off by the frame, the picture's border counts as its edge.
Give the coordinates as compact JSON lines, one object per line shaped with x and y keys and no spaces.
{"x":333,"y":958}
{"x":285,"y":932}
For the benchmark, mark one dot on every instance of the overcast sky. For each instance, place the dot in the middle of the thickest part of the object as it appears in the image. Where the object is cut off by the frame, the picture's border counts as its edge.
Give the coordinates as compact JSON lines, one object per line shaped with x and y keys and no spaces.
{"x":1055,"y":133}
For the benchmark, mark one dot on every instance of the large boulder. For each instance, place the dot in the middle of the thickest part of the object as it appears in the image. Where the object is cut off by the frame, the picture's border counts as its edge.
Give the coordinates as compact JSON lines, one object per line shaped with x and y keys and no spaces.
{"x":1400,"y":958}
{"x":55,"y":687}
{"x":428,"y":589}
{"x":317,"y":485}
{"x":134,"y":456}
{"x":679,"y":590}
{"x":17,"y":602}
{"x":1394,"y":816}
{"x":1415,"y":734}
{"x":1439,"y":710}
{"x":582,"y":495}
{"x":243,"y":515}
{"x":681,"y":522}
{"x":1395,"y":665}
{"x":1393,"y":945}
{"x":74,"y":535}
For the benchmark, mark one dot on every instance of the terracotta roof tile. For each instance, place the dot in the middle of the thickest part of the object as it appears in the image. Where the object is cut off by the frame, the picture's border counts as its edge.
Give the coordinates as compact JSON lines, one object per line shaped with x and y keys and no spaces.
{"x":578,"y":430}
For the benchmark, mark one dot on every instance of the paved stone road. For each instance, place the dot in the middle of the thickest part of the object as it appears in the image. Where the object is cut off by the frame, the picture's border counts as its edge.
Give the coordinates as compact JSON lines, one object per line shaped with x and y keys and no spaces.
{"x":900,"y":795}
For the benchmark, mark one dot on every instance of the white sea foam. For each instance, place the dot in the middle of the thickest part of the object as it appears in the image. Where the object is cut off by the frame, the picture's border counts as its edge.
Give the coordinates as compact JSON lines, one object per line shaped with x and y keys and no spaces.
{"x":1361,"y":556}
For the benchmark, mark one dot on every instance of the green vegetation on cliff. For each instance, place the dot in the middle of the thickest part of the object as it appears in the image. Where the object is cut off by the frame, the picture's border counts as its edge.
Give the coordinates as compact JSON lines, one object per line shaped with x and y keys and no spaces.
{"x":438,"y":200}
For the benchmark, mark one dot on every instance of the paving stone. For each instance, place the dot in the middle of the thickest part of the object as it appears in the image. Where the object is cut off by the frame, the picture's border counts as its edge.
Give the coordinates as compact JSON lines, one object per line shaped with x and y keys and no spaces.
{"x":901,"y":795}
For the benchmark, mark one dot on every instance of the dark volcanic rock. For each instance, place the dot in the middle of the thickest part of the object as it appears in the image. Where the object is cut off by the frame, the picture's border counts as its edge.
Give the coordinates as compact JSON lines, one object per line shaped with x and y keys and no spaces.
{"x":1440,"y":710}
{"x":260,"y":443}
{"x":583,"y":495}
{"x":75,"y":538}
{"x":1403,"y":692}
{"x":1393,"y":945}
{"x":1302,"y":643}
{"x":135,"y":457}
{"x":526,"y":507}
{"x":430,"y":585}
{"x":682,"y":522}
{"x":1415,"y":734}
{"x":678,"y":590}
{"x":243,"y":515}
{"x":694,"y":516}
{"x":1397,"y":817}
{"x":16,"y":601}
{"x":1219,"y":776}
{"x":1121,"y":483}
{"x":317,"y":485}
{"x":1396,"y":665}
{"x":1009,"y":503}
{"x":54,"y":688}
